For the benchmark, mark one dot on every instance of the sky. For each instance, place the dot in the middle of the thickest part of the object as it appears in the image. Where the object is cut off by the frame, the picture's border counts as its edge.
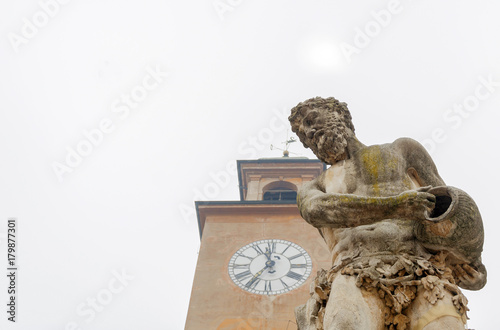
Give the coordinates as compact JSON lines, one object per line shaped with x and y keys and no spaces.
{"x":115,"y":116}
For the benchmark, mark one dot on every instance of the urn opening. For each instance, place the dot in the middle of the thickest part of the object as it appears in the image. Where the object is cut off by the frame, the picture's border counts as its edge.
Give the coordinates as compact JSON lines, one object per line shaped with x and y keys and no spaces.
{"x":443,"y":203}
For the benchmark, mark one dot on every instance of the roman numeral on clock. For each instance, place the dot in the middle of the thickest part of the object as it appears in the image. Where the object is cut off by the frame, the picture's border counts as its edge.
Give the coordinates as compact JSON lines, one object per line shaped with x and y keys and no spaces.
{"x":267,"y":286}
{"x":245,"y":266}
{"x":295,"y":256}
{"x":245,"y":256}
{"x":285,"y":249}
{"x":258,"y":249}
{"x":243,"y":275}
{"x":271,"y":247}
{"x":298,"y":265}
{"x":294,"y":275}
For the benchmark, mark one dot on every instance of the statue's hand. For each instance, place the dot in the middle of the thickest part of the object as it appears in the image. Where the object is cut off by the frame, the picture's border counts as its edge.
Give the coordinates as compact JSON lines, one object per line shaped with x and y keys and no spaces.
{"x":415,"y":204}
{"x":469,"y":278}
{"x":424,"y":189}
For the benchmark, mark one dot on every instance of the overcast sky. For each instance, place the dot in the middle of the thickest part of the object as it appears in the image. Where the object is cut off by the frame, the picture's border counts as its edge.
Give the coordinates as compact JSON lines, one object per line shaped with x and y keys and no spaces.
{"x":116,"y":115}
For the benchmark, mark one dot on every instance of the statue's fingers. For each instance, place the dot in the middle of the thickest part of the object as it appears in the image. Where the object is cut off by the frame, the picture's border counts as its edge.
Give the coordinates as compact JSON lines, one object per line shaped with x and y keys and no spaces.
{"x":459,"y":270}
{"x":424,"y":189}
{"x":431,"y":198}
{"x":462,"y":273}
{"x":430,"y":206}
{"x":470,"y":271}
{"x":428,"y":199}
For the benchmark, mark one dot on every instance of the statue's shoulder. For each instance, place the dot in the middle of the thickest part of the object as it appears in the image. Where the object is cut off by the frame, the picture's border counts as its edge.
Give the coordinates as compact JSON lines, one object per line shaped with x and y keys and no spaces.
{"x":400,"y":146}
{"x":411,"y":149}
{"x":407,"y":144}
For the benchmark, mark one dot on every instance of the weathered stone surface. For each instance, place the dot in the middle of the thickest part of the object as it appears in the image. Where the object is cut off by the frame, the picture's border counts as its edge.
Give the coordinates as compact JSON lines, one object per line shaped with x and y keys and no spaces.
{"x":402,"y":242}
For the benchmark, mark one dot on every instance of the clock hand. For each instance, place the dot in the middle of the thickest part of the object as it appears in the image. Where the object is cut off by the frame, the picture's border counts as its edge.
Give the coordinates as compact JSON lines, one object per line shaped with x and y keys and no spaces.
{"x":270,"y":263}
{"x":256,"y":276}
{"x":268,"y":254}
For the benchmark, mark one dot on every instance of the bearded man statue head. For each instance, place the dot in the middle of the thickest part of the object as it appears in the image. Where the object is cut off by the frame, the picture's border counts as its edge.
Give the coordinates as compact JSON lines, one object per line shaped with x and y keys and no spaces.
{"x":324,"y":125}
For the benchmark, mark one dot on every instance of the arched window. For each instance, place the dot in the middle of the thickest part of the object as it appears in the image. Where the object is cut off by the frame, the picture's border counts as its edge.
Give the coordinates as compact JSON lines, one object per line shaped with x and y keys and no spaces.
{"x":280,"y":191}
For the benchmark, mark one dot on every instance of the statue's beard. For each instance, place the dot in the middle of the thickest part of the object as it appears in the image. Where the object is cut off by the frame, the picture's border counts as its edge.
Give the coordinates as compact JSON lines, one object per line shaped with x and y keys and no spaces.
{"x":330,"y":143}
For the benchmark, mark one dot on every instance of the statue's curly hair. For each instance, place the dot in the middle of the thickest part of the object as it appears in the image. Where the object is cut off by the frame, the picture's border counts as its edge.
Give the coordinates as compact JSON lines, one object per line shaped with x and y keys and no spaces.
{"x":331,"y":104}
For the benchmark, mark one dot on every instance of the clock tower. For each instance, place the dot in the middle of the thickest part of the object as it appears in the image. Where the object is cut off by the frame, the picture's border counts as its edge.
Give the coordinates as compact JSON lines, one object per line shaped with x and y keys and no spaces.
{"x":257,"y":256}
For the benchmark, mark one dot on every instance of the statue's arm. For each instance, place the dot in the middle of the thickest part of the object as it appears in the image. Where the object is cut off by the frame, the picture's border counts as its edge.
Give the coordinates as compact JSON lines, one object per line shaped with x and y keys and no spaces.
{"x":420,"y":166}
{"x":470,"y":276}
{"x":322,"y":209}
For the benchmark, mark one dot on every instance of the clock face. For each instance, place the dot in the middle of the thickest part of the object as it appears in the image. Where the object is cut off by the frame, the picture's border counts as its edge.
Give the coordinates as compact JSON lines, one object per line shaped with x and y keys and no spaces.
{"x":270,"y":267}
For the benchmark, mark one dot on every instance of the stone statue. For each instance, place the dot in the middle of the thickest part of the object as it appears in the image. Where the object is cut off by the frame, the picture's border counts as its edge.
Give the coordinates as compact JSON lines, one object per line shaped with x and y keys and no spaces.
{"x":401,"y":241}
